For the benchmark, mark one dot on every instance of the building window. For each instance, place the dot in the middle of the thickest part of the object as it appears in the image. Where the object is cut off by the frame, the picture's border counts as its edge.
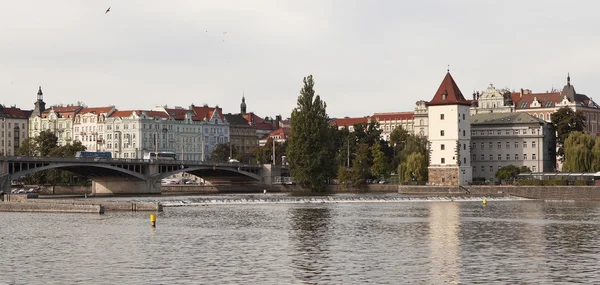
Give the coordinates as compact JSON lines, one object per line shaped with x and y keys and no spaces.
{"x":533,"y":156}
{"x":516,"y":132}
{"x":499,"y":132}
{"x":474,"y":157}
{"x":533,"y":144}
{"x":475,"y":145}
{"x":524,"y":144}
{"x":482,"y":157}
{"x":473,"y":133}
{"x":481,"y":145}
{"x":516,"y":156}
{"x":491,"y":168}
{"x":490,"y":132}
{"x":443,"y":160}
{"x":442,"y":133}
{"x":525,"y":156}
{"x":464,"y":133}
{"x":533,"y":169}
{"x":499,"y":145}
{"x":516,"y":144}
{"x":481,"y":133}
{"x":507,"y":156}
{"x":443,"y":146}
{"x":499,"y":157}
{"x":490,"y":145}
{"x":441,"y":116}
{"x":507,"y":132}
{"x":507,"y":144}
{"x":464,"y":160}
{"x":491,"y":157}
{"x":463,"y":115}
{"x":482,"y":168}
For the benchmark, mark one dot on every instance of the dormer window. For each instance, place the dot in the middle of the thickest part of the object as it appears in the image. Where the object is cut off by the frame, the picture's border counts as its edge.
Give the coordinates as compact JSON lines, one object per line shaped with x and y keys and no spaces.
{"x":444,"y":96}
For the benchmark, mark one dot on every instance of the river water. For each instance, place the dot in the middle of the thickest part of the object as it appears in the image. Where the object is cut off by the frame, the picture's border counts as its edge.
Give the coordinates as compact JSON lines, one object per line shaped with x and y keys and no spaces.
{"x":347,"y":240}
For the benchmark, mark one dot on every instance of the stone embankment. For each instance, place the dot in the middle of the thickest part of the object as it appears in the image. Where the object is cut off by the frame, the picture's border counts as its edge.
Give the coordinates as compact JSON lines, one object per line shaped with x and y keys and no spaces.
{"x":20,"y":203}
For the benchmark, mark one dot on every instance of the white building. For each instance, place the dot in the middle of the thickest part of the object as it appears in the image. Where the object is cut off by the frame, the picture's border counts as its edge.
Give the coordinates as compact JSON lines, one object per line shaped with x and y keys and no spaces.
{"x":449,"y":135}
{"x":519,"y":139}
{"x":13,"y":126}
{"x":88,"y":127}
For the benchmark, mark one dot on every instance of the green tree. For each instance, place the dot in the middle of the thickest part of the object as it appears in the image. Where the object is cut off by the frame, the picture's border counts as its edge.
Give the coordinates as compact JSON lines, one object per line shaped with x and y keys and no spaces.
{"x":344,"y":177}
{"x":264,"y":154}
{"x":380,"y":166}
{"x":578,"y":152}
{"x":221,"y":153}
{"x":45,"y":142}
{"x":361,"y":167}
{"x":310,"y":149}
{"x":28,"y":148}
{"x":565,"y":121}
{"x":508,"y":173}
{"x":416,"y":167}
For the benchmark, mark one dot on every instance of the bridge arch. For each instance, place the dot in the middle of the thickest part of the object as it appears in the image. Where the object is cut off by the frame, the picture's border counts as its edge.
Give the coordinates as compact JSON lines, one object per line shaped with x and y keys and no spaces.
{"x":197,"y":168}
{"x":64,"y":165}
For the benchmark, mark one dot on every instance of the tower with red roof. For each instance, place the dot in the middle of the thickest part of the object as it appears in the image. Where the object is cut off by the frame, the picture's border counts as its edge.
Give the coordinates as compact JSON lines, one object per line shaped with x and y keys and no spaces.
{"x":449,"y":135}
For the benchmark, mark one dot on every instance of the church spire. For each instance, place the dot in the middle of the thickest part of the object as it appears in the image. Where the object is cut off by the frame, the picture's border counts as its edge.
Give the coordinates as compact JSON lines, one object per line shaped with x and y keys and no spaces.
{"x":40,"y":94}
{"x":243,"y":105}
{"x":568,"y":79}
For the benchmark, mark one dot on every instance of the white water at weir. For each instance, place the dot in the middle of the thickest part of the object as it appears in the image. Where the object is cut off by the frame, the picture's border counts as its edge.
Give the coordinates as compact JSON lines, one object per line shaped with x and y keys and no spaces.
{"x":259,"y":199}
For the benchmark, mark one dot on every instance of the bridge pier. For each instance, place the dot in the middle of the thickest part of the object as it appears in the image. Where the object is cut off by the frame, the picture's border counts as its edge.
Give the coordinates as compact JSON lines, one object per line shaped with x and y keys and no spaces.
{"x":5,"y":177}
{"x":124,"y":185}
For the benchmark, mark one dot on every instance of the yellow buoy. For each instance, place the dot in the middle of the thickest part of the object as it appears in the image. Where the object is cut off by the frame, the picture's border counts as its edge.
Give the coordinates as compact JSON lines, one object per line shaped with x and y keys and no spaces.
{"x":484,"y":201}
{"x":153,"y":220}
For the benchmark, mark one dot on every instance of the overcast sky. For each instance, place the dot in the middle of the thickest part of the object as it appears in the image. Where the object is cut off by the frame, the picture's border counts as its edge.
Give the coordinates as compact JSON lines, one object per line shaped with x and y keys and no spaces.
{"x":366,"y":56}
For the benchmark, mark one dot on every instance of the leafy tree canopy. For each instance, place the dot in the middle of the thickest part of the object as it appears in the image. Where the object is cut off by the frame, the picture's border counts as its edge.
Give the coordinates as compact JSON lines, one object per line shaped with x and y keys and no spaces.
{"x":310,"y":149}
{"x":565,"y":121}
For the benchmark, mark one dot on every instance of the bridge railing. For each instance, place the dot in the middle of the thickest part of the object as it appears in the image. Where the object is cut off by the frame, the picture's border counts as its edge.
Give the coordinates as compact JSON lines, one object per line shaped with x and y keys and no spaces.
{"x":128,"y":160}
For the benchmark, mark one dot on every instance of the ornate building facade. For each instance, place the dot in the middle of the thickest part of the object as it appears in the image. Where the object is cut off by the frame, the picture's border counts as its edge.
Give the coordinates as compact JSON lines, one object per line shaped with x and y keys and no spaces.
{"x":13,"y":126}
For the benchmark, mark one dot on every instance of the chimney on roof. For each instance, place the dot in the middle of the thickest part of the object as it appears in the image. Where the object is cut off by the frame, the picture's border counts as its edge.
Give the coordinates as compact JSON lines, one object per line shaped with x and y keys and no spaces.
{"x":521,"y":93}
{"x":277,"y":121}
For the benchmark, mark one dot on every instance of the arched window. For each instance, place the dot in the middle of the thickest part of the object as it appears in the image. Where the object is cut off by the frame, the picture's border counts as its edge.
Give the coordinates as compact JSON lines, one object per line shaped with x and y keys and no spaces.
{"x":547,"y":116}
{"x":541,"y":116}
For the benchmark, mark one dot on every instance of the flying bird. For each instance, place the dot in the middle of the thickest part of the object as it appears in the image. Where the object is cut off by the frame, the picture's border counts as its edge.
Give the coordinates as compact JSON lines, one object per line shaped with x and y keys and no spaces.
{"x":107,"y":10}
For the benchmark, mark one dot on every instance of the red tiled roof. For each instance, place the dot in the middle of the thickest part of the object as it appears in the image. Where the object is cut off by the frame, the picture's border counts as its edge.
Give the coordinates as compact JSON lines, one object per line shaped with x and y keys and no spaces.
{"x":281,"y":132}
{"x":253,"y":118}
{"x":547,"y":100}
{"x":347,"y":122}
{"x":64,"y":112}
{"x":453,"y":96}
{"x":206,"y":112}
{"x":96,"y":110}
{"x":177,"y":114}
{"x":393,"y":116}
{"x":125,"y":113}
{"x":15,"y":113}
{"x":265,"y":126}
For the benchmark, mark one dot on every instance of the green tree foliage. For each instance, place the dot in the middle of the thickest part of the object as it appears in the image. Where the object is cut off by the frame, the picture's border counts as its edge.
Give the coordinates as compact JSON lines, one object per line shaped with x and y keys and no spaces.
{"x":578,"y":153}
{"x":27,"y":148}
{"x":344,"y":177}
{"x":380,"y":166}
{"x":221,"y":153}
{"x":361,"y":167}
{"x":311,"y":150}
{"x":264,"y":154}
{"x":369,"y":133}
{"x":45,"y":142}
{"x":415,"y":167}
{"x":508,"y":173}
{"x":565,"y":121}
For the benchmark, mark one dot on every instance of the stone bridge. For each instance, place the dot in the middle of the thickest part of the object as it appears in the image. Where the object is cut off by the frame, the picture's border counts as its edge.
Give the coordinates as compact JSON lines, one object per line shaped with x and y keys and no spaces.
{"x":120,"y":176}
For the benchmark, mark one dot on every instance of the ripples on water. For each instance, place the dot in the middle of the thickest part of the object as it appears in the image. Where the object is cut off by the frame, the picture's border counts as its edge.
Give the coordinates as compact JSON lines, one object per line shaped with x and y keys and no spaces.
{"x":505,"y":242}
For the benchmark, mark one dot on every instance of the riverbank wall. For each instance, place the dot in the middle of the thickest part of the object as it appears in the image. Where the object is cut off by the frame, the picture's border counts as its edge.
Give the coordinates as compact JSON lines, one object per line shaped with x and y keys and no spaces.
{"x":21,"y":203}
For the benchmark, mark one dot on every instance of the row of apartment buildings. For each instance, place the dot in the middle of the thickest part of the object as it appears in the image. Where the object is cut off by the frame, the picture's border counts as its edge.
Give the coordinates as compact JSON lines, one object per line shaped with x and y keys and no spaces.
{"x":192,"y":132}
{"x":505,"y":127}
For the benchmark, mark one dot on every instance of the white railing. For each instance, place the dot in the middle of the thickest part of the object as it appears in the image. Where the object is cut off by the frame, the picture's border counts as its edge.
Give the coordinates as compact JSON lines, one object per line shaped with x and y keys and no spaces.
{"x":283,"y":180}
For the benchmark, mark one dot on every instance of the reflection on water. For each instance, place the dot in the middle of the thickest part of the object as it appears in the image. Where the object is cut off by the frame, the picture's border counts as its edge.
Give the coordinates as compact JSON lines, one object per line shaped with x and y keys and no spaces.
{"x":309,"y":240}
{"x":444,"y":222}
{"x":509,"y":242}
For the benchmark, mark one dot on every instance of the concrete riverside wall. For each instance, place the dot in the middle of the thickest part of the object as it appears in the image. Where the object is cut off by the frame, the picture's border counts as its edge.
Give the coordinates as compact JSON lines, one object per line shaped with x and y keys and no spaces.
{"x":108,"y":206}
{"x":123,"y":185}
{"x":576,"y":193}
{"x":40,"y":207}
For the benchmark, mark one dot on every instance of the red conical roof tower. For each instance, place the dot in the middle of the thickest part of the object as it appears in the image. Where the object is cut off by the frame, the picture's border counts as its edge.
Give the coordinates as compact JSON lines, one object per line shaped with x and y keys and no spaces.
{"x":448,"y":94}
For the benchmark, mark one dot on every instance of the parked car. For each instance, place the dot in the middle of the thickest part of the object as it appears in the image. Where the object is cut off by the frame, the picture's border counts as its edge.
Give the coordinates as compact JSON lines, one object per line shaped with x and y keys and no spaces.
{"x":382,"y":181}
